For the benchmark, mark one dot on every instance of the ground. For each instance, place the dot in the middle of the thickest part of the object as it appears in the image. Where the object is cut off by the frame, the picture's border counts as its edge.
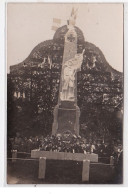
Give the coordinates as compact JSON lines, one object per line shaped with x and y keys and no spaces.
{"x":59,"y":172}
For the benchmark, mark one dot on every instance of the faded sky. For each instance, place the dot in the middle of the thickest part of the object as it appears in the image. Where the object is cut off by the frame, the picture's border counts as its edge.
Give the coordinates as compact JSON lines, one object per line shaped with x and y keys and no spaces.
{"x":28,"y":24}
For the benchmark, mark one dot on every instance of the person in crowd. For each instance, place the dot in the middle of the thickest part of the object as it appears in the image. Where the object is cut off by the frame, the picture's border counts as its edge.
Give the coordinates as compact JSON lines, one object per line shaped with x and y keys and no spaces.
{"x":74,"y":144}
{"x":9,"y":147}
{"x":17,"y":142}
{"x":93,"y":147}
{"x":107,"y":149}
{"x":88,"y":147}
{"x":118,"y":161}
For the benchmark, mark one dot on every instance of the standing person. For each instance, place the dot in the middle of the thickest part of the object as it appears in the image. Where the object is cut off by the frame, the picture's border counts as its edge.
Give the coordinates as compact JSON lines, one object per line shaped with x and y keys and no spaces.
{"x":17,"y":141}
{"x":120,"y":164}
{"x":118,"y":155}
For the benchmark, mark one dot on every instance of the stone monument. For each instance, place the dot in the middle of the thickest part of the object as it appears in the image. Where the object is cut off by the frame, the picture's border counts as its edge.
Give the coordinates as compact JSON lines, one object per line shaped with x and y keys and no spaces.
{"x":66,"y":112}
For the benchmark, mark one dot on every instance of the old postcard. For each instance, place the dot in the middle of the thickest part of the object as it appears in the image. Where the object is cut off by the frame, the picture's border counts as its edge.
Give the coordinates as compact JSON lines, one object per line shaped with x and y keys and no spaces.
{"x":64,"y":93}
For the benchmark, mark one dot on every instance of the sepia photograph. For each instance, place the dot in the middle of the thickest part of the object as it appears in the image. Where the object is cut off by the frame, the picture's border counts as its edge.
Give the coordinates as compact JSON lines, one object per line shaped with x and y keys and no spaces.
{"x":65,"y":93}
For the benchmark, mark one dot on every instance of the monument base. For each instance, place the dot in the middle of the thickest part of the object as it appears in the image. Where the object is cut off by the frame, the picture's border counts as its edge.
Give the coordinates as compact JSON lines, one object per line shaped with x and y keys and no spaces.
{"x":66,"y":118}
{"x":64,"y":155}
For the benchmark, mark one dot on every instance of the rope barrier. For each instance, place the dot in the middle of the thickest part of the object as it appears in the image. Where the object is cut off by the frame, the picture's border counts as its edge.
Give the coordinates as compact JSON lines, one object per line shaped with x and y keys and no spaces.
{"x":34,"y":159}
{"x":15,"y":158}
{"x":103,"y":164}
{"x":22,"y":159}
{"x":23,"y":153}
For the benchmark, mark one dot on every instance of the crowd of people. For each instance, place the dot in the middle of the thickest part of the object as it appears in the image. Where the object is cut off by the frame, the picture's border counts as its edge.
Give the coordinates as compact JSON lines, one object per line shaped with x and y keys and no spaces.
{"x":65,"y":143}
{"x":75,"y":144}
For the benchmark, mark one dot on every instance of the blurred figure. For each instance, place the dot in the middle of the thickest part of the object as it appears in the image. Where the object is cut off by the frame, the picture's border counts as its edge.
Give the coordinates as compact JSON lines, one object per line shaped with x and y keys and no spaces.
{"x":118,"y":154}
{"x":17,"y":142}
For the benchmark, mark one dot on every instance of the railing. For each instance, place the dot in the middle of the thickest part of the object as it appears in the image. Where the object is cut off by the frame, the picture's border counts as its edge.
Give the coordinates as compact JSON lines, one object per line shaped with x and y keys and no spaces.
{"x":110,"y":160}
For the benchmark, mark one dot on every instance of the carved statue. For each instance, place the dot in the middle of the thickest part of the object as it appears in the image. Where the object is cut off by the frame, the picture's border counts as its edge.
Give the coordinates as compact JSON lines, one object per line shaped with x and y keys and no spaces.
{"x":68,"y":77}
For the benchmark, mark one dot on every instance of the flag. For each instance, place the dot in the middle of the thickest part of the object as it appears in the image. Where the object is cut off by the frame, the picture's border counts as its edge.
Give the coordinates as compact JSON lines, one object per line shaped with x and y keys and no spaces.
{"x":49,"y":62}
{"x":73,"y":11}
{"x":44,"y":60}
{"x":54,"y":28}
{"x":42,"y":64}
{"x":73,"y":16}
{"x":56,"y":24}
{"x":55,"y":20}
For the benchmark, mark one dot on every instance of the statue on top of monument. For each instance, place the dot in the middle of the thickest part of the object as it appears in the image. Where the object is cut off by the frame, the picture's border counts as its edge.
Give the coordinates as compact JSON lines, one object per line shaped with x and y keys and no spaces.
{"x":68,"y":77}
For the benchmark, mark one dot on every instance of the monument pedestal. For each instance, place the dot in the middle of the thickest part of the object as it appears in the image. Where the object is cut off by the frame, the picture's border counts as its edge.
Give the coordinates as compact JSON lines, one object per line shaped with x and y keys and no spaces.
{"x":66,"y":118}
